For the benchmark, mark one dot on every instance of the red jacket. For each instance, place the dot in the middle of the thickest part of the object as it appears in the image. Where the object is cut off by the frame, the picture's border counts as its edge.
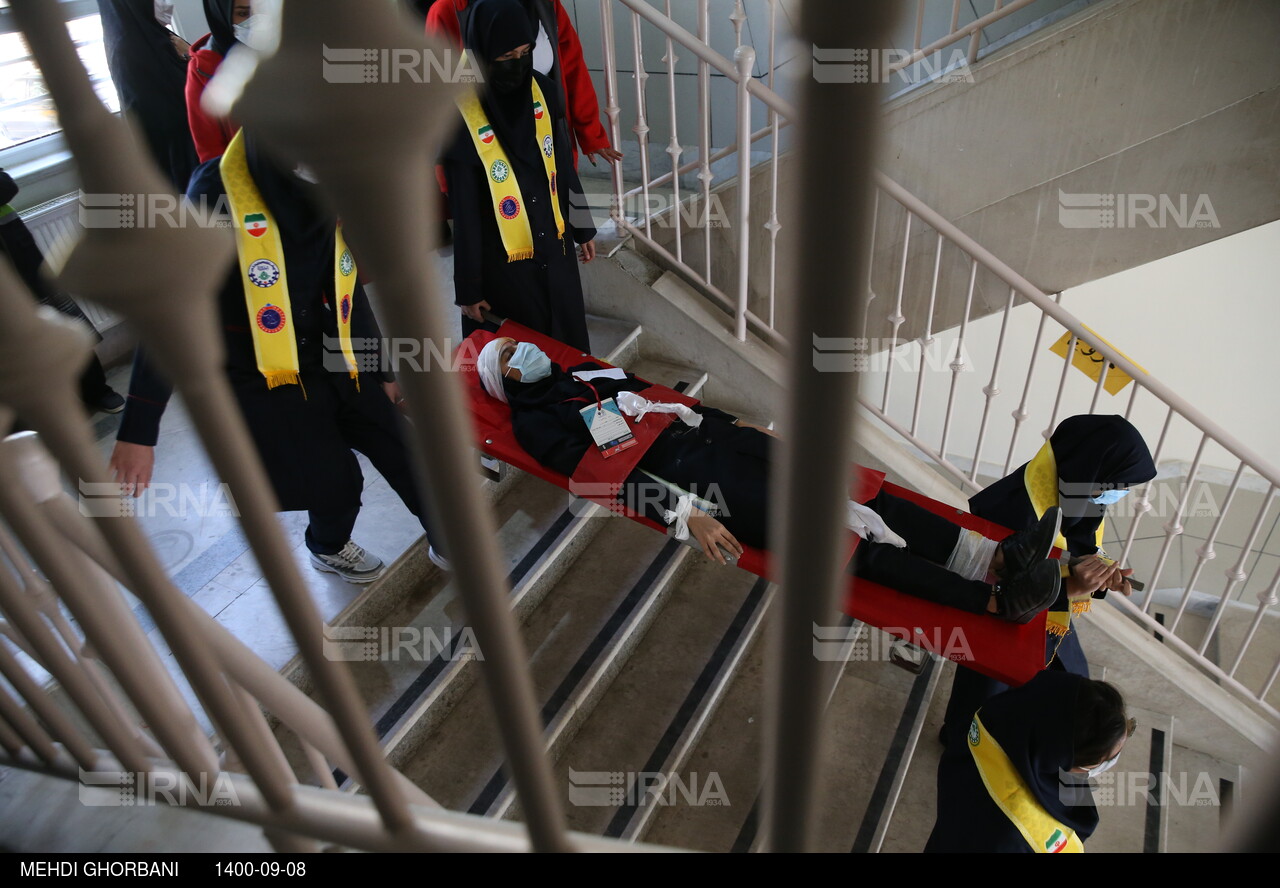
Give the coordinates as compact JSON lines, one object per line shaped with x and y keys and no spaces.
{"x":211,"y":134}
{"x":581,"y":106}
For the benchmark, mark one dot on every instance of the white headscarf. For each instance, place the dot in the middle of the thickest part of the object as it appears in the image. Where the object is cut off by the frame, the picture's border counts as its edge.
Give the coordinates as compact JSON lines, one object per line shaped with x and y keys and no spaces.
{"x":489,"y":367}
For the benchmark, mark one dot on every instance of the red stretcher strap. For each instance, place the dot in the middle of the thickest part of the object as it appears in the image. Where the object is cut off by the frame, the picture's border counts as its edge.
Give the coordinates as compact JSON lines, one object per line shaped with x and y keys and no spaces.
{"x":1008,"y":652}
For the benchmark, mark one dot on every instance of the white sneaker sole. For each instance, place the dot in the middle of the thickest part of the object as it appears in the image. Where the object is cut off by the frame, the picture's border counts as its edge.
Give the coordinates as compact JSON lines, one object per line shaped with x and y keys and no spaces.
{"x":358,"y":580}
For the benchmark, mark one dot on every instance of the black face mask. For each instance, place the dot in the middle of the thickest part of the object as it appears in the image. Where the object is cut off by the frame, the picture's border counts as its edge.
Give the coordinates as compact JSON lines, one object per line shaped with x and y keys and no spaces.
{"x":510,"y":75}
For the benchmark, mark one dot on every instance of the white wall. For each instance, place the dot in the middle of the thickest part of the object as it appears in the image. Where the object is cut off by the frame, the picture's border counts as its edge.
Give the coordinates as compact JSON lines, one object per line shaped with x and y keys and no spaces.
{"x":1204,"y":322}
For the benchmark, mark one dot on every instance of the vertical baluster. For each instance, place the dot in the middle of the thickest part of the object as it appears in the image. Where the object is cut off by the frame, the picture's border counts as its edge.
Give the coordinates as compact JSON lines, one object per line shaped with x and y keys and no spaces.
{"x":1174,"y":528}
{"x":1133,"y":396}
{"x":704,"y":137}
{"x":33,"y":735}
{"x":1097,"y":389}
{"x":1271,"y":680}
{"x":871,"y":255}
{"x":50,"y":714}
{"x":773,"y":226}
{"x":955,"y":16}
{"x":11,"y":742}
{"x":1143,"y":505}
{"x":1062,"y":385}
{"x":641,"y":129}
{"x":1265,"y":600}
{"x":896,"y":319}
{"x":1206,"y":553}
{"x":991,"y":389}
{"x":958,"y":365}
{"x":738,"y":17}
{"x":1236,"y":574}
{"x":673,"y":147}
{"x":1020,"y":415}
{"x":611,"y":108}
{"x":915,"y":47}
{"x":744,"y":57}
{"x":926,"y":341}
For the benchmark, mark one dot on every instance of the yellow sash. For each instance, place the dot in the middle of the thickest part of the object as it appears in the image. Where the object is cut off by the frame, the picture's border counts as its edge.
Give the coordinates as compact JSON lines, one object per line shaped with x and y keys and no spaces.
{"x":1041,"y":480}
{"x":266,"y":283}
{"x":1011,"y":794}
{"x":508,"y":202}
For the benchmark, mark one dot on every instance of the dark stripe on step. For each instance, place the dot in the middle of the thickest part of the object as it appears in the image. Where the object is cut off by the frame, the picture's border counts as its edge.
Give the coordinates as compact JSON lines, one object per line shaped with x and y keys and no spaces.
{"x":1151,"y":838}
{"x":432,"y":670}
{"x":893,"y":759}
{"x":583,"y":665}
{"x":747,"y":835}
{"x":692,"y":701}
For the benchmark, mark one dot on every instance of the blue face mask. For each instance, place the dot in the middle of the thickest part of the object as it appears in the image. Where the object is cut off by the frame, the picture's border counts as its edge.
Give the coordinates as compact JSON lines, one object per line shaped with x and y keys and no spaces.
{"x":531,"y":362}
{"x":1107,"y":497}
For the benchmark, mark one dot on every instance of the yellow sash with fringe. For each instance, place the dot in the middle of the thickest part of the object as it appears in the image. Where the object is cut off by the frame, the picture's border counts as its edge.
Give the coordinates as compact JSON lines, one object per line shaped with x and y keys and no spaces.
{"x":1041,"y":480}
{"x":260,"y":254}
{"x":1012,"y":796}
{"x":508,"y":202}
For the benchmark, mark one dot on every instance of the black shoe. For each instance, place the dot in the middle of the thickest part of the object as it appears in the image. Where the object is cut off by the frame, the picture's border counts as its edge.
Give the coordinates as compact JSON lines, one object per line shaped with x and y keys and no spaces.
{"x":107,"y":402}
{"x":1026,"y":547}
{"x":1029,"y":593}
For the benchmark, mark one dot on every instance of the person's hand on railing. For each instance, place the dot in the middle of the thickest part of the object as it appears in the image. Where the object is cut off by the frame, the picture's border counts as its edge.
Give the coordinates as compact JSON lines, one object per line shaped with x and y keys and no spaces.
{"x":587,"y":251}
{"x":476,"y":310}
{"x":131,"y":466}
{"x":610,"y":155}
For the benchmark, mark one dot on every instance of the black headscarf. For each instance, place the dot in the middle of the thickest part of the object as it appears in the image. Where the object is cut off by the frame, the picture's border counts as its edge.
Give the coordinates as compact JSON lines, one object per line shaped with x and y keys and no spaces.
{"x":151,"y":80}
{"x":1034,"y":725}
{"x":222,"y":32}
{"x":494,"y":28}
{"x":1093,"y":453}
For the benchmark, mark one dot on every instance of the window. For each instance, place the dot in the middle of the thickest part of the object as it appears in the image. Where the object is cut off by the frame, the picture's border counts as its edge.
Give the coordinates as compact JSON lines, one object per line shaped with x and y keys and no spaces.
{"x":26,"y":111}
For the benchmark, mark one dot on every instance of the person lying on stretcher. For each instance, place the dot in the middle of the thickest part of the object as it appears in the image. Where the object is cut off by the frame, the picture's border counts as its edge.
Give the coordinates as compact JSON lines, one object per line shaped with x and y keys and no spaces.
{"x":726,"y":460}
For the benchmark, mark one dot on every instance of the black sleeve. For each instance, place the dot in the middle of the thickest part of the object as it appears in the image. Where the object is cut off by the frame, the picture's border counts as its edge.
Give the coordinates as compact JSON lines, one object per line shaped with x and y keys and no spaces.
{"x":577,"y":210}
{"x":644,"y":495}
{"x":8,"y":188}
{"x":1083,"y":538}
{"x":149,"y":394}
{"x":364,"y":326}
{"x":713,"y":413}
{"x":465,"y":205}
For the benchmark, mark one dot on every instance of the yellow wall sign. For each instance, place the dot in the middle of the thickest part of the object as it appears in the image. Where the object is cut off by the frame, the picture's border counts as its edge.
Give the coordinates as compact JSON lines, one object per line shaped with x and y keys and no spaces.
{"x":1090,"y":362}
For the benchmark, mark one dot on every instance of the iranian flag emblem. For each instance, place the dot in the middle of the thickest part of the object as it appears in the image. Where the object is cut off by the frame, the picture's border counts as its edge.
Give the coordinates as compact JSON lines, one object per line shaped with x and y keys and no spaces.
{"x":537,"y":111}
{"x":256,"y":224}
{"x":486,"y":134}
{"x":1056,"y":842}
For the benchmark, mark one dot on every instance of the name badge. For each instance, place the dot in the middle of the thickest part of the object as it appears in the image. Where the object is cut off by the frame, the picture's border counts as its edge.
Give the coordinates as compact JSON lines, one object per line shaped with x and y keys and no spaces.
{"x":608,"y":427}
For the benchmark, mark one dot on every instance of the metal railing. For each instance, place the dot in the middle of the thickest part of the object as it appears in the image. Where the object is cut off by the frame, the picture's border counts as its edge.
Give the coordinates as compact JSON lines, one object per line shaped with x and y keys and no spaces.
{"x":926,"y":254}
{"x":136,"y":271}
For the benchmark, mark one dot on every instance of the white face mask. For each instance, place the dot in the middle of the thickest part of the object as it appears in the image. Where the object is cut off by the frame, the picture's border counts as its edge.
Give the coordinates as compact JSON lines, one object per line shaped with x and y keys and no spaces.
{"x":164,"y":12}
{"x":1105,"y":766}
{"x":258,"y":32}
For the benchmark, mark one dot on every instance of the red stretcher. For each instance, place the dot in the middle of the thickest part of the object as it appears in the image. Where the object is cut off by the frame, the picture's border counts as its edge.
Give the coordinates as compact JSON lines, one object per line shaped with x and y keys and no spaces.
{"x":1009,"y":652}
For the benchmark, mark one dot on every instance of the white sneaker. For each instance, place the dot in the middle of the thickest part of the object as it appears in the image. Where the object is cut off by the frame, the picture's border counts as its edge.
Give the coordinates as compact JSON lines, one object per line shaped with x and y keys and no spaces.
{"x":437,"y":559}
{"x":353,"y":564}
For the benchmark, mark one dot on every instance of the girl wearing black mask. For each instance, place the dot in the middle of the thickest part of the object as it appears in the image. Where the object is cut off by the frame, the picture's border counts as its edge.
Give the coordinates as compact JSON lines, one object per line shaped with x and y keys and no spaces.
{"x":515,"y":198}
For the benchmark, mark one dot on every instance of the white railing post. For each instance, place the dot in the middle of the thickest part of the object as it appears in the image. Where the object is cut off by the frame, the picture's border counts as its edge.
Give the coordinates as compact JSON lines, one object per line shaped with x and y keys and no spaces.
{"x":611,"y":108}
{"x":744,"y":58}
{"x":673,"y":146}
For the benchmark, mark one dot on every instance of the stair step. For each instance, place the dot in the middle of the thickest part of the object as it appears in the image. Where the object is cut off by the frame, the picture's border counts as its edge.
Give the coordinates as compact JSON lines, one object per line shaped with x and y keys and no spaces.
{"x":620,"y":570}
{"x":656,"y":696}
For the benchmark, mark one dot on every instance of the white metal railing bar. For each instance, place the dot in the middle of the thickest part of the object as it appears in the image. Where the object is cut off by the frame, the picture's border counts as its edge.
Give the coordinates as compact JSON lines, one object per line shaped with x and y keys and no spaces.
{"x":1174,"y":528}
{"x":1236,"y":573}
{"x":673,"y":147}
{"x":1206,"y":553}
{"x":919,"y":217}
{"x":992,"y":388}
{"x":1266,"y":600}
{"x":926,"y":340}
{"x":704,"y":131}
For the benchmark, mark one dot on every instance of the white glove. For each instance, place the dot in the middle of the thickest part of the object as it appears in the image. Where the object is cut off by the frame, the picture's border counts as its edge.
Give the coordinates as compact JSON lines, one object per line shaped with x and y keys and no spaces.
{"x":680,"y":517}
{"x":871,"y":527}
{"x":636,"y":407}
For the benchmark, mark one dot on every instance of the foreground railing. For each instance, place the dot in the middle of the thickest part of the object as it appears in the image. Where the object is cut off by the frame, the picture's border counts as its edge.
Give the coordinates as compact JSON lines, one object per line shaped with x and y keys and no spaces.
{"x":366,"y":143}
{"x":924,"y":266}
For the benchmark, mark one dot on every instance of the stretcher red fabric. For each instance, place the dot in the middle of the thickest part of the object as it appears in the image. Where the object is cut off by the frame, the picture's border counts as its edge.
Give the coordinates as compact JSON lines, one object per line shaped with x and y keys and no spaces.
{"x":1008,"y":652}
